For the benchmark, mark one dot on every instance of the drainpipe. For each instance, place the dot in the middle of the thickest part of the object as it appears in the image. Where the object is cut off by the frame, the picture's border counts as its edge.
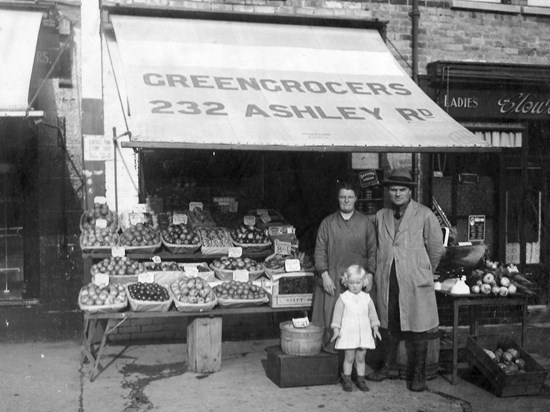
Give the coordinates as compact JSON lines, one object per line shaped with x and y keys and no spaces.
{"x":415,"y":14}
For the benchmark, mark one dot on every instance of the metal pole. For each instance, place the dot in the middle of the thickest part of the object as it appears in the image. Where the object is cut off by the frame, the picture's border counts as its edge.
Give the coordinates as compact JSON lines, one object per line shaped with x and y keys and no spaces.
{"x":115,"y":166}
{"x":415,"y":14}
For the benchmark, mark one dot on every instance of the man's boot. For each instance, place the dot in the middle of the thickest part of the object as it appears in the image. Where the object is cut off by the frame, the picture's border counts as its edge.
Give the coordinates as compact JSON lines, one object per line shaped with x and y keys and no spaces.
{"x":346,"y":383}
{"x":389,"y":368}
{"x":417,"y":365}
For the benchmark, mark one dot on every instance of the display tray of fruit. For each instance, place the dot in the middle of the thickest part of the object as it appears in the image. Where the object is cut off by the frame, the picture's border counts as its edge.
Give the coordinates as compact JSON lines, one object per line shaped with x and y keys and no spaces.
{"x":148,"y":297}
{"x":198,"y":269}
{"x":200,"y":218}
{"x":97,"y":240}
{"x":215,"y":241}
{"x":225,"y":267}
{"x":140,"y":238}
{"x":508,"y":368}
{"x":250,"y":238}
{"x":193,"y":294}
{"x":99,"y":217}
{"x":96,"y":299}
{"x":121,"y":269}
{"x":180,"y":238}
{"x":275,"y":264}
{"x":240,"y":294}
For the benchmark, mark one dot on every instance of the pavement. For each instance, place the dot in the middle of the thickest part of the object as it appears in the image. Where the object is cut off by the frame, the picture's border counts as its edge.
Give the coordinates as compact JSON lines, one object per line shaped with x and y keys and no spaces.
{"x":48,"y":376}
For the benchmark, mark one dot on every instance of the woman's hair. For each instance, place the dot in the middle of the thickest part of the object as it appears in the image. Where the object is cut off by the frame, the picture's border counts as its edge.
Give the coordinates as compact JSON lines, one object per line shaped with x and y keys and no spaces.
{"x":347,"y":186}
{"x":354,"y":270}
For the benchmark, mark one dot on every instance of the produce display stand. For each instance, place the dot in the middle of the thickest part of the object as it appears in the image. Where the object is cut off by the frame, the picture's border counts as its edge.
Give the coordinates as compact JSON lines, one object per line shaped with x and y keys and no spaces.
{"x":204,"y":337}
{"x":473,"y":302}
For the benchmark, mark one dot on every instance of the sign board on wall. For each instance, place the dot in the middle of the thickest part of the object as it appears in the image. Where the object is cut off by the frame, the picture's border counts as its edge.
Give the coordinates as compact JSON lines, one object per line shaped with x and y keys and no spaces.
{"x":476,"y":228}
{"x":97,"y":147}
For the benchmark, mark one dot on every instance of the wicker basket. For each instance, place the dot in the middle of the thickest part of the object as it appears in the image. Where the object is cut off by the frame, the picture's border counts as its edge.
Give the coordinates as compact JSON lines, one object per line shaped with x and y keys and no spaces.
{"x":148,"y":306}
{"x":180,"y":249}
{"x":97,"y":249}
{"x":241,"y":303}
{"x":115,"y":225}
{"x":142,"y":249}
{"x":225,"y":275}
{"x":252,"y":247}
{"x":192,"y":307}
{"x":115,"y":307}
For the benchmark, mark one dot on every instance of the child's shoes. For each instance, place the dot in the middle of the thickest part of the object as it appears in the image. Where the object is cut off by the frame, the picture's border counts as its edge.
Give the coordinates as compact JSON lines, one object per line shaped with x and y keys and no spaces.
{"x":361,"y":384}
{"x":346,"y":383}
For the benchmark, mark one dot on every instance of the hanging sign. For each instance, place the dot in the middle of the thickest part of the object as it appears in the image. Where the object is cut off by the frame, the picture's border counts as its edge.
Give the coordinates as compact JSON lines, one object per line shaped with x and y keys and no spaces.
{"x":368,"y":178}
{"x":476,"y":228}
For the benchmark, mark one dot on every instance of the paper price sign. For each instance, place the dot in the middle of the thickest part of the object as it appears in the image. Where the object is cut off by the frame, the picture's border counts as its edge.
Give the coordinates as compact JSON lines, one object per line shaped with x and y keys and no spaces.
{"x":241,"y":275}
{"x":265,"y":218}
{"x":261,"y":212}
{"x":179,"y":219}
{"x":235,"y":252}
{"x":292,"y":265}
{"x":146,"y":277}
{"x":249,"y":220}
{"x":195,"y":205}
{"x":101,"y":279}
{"x":191,"y":270}
{"x":140,"y":208}
{"x":136,"y":218}
{"x":118,"y":251}
{"x":100,"y":223}
{"x":100,"y":199}
{"x":283,"y":248}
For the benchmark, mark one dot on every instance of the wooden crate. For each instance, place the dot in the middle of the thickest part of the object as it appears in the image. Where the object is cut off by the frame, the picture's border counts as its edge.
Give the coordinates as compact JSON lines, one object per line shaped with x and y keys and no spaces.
{"x":292,"y":371}
{"x":502,"y":384}
{"x":204,"y":344}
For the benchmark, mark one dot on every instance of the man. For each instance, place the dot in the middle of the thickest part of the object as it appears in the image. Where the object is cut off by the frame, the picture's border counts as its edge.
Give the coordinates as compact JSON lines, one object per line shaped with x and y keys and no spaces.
{"x":409,"y":248}
{"x":344,"y":238}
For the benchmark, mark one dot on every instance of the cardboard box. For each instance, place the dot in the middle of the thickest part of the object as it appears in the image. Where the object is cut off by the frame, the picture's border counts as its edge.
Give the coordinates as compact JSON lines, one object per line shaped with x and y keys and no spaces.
{"x":292,"y":371}
{"x":289,"y":300}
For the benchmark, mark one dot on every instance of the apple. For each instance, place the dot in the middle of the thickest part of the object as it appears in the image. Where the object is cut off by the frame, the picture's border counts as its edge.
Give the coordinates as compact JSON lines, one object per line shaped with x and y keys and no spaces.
{"x":503,"y":291}
{"x":512,"y":289}
{"x":475,"y":289}
{"x":485,"y":288}
{"x":505,"y":282}
{"x":495,"y":290}
{"x":488,"y":278}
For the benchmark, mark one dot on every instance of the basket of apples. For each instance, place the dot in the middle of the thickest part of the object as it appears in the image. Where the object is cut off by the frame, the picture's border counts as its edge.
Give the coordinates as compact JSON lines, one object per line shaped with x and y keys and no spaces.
{"x":180,"y":238}
{"x":193,"y":294}
{"x":148,"y":297}
{"x":240,"y":294}
{"x":140,"y":238}
{"x":225,"y":267}
{"x":251,"y":238}
{"x":97,"y":240}
{"x":121,"y":269}
{"x":99,"y":217}
{"x":102,"y":299}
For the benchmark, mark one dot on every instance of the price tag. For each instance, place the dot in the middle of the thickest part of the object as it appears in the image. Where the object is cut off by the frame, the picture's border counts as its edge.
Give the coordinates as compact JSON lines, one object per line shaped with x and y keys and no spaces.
{"x":136,"y":218}
{"x":282,"y":247}
{"x":118,"y":251}
{"x":101,"y":279}
{"x":146,"y":277}
{"x":249,"y":220}
{"x":265,"y":218}
{"x":292,"y":265}
{"x":195,"y":205}
{"x":140,"y":208}
{"x":100,"y":199}
{"x":300,"y":322}
{"x":156,"y":259}
{"x":261,"y":212}
{"x":235,"y":252}
{"x":241,"y":275}
{"x":191,"y":270}
{"x":179,"y":219}
{"x":274,"y":231}
{"x":100,"y":223}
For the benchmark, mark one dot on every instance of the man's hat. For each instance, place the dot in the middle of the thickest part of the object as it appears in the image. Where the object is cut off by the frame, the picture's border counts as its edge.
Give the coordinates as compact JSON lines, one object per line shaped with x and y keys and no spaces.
{"x":399,"y":177}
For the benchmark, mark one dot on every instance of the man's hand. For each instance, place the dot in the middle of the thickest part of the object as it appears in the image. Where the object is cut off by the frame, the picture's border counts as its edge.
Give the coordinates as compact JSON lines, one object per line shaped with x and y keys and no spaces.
{"x":328,"y":284}
{"x":335,"y":334}
{"x":368,"y":282}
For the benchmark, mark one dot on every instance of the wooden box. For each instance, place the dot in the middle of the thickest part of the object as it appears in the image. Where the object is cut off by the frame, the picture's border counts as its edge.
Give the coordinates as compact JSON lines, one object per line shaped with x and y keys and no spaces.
{"x":503,"y":385}
{"x":291,"y":371}
{"x":204,"y":344}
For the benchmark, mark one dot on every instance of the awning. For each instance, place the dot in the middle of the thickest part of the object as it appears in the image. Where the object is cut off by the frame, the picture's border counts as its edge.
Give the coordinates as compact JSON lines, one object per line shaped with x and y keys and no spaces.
{"x":18,"y":38}
{"x":195,"y":83}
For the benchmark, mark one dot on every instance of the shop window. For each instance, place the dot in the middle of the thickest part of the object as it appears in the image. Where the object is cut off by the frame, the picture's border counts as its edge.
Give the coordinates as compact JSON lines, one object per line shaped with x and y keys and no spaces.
{"x":501,"y":138}
{"x":538,"y":3}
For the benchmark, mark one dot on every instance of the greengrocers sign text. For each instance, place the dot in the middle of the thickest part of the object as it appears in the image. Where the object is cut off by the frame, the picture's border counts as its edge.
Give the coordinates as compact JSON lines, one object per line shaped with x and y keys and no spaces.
{"x":277,"y":86}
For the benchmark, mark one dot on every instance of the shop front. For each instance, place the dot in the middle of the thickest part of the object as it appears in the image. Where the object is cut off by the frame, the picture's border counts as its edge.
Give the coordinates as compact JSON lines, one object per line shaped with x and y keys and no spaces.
{"x":508,"y":106}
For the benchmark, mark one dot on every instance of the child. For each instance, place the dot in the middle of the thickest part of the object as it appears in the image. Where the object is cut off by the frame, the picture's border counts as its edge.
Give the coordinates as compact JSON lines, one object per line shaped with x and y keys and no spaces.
{"x":353,"y":318}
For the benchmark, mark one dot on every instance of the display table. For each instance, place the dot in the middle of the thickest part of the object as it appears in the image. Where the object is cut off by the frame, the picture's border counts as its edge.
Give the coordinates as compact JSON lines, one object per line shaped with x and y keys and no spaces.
{"x":204,"y":335}
{"x":473,"y":302}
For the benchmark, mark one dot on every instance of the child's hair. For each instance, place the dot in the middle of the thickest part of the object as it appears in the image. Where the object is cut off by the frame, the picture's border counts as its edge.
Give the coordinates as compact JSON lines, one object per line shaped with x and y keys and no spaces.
{"x":354,"y":270}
